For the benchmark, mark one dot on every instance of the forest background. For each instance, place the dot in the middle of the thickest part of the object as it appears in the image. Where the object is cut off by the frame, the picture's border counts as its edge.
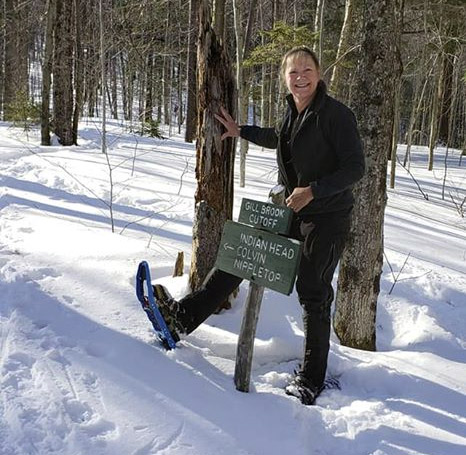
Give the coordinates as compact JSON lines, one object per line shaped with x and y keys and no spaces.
{"x":146,"y":48}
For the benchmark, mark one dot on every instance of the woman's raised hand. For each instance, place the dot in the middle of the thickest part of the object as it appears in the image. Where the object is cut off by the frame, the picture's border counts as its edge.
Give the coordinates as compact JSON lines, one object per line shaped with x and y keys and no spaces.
{"x":232,"y":128}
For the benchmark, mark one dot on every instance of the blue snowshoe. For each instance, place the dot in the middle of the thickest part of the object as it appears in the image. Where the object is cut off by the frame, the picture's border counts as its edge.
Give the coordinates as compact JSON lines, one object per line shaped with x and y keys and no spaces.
{"x":145,"y":294}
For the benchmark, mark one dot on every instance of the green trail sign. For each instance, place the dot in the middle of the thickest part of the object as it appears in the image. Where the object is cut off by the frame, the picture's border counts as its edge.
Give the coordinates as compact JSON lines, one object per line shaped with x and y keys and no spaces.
{"x":263,"y":215}
{"x":263,"y":258}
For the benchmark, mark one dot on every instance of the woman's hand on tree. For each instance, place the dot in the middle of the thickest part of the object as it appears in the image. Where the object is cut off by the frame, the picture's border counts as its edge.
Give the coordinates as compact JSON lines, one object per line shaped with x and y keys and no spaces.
{"x":232,"y":128}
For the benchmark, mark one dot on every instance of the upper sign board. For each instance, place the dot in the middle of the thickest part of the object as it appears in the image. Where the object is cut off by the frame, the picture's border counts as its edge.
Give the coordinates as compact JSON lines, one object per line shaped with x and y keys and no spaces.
{"x":263,"y":215}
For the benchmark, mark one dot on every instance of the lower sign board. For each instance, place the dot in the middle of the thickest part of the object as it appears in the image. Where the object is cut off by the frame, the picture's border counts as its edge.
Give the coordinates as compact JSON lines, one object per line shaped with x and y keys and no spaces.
{"x":266,"y":259}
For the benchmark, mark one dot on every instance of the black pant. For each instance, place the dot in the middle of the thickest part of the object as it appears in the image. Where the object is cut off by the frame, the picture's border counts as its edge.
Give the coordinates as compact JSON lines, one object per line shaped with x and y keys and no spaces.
{"x":195,"y":308}
{"x":324,"y":241}
{"x":324,"y":238}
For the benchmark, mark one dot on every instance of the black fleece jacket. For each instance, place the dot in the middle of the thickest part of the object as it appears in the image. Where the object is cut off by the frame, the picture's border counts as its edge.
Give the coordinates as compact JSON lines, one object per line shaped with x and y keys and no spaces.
{"x":320,"y":147}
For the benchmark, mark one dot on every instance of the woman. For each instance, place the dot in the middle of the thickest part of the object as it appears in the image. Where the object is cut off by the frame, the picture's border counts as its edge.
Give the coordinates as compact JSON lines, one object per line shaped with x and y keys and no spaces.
{"x":319,"y":158}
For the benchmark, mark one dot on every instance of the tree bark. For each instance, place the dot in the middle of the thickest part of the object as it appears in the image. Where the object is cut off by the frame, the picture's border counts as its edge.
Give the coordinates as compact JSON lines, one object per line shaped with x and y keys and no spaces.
{"x":215,"y":158}
{"x":447,"y":93}
{"x":272,"y":96}
{"x":434,"y":119}
{"x":399,"y":7}
{"x":149,"y":102}
{"x":113,"y":92}
{"x":318,"y":27}
{"x":47,"y":74}
{"x":103,"y":84}
{"x":63,"y":73}
{"x":340,"y":73}
{"x":243,"y":39}
{"x":15,"y":69}
{"x":166,"y":76}
{"x":218,"y":18}
{"x":240,"y":118}
{"x":417,"y":101}
{"x":79,"y":70}
{"x":191,"y":82}
{"x":395,"y":135}
{"x":361,"y":264}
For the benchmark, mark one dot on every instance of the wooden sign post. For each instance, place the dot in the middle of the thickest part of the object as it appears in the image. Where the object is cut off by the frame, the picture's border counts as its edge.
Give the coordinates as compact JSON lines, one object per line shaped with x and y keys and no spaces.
{"x":265,"y":258}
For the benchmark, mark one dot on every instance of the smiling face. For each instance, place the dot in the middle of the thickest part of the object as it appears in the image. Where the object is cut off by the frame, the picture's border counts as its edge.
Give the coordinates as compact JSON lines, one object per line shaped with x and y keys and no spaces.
{"x":301,"y":76}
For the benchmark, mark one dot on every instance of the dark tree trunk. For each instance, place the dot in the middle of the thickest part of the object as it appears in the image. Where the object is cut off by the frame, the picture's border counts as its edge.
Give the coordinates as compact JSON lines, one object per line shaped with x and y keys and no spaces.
{"x":191,"y":82}
{"x":63,"y":73}
{"x":124,"y":85}
{"x":446,"y":112}
{"x":215,"y":159}
{"x":149,"y":88}
{"x":79,"y":70}
{"x":361,"y":266}
{"x":92,"y":81}
{"x":15,"y":69}
{"x":113,"y":92}
{"x":47,"y":74}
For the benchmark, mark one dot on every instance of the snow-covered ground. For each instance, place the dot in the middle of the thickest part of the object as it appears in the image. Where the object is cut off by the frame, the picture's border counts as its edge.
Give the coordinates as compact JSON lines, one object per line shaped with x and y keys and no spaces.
{"x":81,"y":372}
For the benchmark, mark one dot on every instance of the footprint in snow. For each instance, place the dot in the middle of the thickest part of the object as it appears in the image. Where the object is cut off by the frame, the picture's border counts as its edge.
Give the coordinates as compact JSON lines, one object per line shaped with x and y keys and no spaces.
{"x":91,"y":422}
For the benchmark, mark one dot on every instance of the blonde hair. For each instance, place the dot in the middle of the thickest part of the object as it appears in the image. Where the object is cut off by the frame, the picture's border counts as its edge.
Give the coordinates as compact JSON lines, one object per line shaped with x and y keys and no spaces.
{"x":297,"y":52}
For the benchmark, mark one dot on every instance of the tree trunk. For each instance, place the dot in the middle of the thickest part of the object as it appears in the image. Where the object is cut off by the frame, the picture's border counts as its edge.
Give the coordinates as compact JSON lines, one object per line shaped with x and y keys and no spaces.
{"x":447,"y":93}
{"x":340,"y":73}
{"x":63,"y":73}
{"x":395,"y":134}
{"x":361,"y":264}
{"x":15,"y":70}
{"x":149,"y":102}
{"x":124,"y":85}
{"x":397,"y":102}
{"x":92,"y":81}
{"x":166,"y":74}
{"x":243,"y":40}
{"x":130,"y":71}
{"x":113,"y":92}
{"x":272,"y":95}
{"x":214,"y":158}
{"x":79,"y":71}
{"x":218,"y":18}
{"x":191,"y":83}
{"x":417,"y":101}
{"x":180,"y":118}
{"x":103,"y":84}
{"x":240,"y":118}
{"x":318,"y":27}
{"x":47,"y":74}
{"x":434,"y":119}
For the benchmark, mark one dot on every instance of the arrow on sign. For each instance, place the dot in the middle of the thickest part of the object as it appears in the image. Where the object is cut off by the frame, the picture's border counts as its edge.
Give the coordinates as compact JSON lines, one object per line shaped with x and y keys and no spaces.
{"x":227,"y":247}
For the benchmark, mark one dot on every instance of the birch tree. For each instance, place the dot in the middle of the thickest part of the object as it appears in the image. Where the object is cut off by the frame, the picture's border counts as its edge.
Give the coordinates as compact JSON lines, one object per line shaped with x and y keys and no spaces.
{"x":339,"y":81}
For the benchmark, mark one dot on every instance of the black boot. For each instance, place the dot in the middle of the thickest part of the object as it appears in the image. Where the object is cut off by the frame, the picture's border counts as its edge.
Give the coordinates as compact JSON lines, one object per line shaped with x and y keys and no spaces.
{"x":169,"y":309}
{"x":303,"y":390}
